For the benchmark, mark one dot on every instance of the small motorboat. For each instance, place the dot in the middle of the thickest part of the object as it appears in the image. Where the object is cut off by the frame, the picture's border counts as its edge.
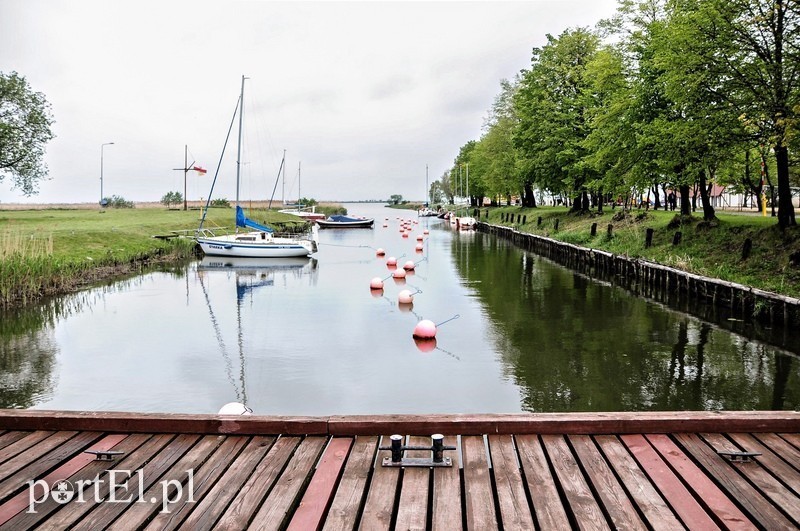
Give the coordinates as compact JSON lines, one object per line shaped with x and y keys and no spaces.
{"x":339,"y":221}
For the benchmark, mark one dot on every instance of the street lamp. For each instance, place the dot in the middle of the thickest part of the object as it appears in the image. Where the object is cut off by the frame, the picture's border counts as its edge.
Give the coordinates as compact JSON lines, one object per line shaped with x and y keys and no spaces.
{"x":101,"y":169}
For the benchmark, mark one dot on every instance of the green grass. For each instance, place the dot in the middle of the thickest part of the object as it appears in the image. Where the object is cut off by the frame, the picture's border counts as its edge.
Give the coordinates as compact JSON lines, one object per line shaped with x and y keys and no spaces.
{"x":712,"y":250}
{"x":44,"y":252}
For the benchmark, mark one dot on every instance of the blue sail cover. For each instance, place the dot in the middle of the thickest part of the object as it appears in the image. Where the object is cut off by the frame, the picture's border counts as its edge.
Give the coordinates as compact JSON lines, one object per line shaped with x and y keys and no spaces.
{"x":242,"y":221}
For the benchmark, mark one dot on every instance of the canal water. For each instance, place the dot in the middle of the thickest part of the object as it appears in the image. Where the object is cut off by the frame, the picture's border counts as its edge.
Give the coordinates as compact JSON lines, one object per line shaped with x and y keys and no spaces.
{"x":515,"y":333}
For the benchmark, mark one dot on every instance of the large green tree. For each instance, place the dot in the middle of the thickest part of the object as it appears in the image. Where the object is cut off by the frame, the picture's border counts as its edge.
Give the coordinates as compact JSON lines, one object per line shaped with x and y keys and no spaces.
{"x":751,"y":57}
{"x":25,"y":122}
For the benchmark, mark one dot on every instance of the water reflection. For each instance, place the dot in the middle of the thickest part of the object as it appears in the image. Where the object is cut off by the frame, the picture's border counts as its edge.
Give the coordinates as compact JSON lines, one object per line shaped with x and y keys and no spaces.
{"x":308,"y":336}
{"x":574,"y":344}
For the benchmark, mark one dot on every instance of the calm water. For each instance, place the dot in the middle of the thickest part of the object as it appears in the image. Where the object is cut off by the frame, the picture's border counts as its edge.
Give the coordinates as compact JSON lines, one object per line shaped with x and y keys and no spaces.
{"x":308,"y":337}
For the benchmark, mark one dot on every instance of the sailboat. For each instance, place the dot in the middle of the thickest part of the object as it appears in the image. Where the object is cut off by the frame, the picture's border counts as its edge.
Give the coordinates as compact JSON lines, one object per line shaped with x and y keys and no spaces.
{"x":258,"y":242}
{"x":302,"y":212}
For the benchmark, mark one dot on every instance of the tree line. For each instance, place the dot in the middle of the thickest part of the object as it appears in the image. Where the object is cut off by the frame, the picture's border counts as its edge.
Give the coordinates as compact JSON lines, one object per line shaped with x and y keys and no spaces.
{"x":666,"y":97}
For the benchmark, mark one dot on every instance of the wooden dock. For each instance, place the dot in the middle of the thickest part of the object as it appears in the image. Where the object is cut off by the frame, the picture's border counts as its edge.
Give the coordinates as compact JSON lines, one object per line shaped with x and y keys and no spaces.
{"x":538,"y":471}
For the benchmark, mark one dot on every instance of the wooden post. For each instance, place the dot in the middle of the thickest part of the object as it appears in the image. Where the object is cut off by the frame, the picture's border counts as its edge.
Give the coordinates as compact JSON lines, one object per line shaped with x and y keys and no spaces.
{"x":524,"y":220}
{"x":539,"y":221}
{"x":610,"y":230}
{"x":748,"y":246}
{"x":594,"y":229}
{"x":648,"y":239}
{"x":556,"y":225}
{"x":677,"y":238}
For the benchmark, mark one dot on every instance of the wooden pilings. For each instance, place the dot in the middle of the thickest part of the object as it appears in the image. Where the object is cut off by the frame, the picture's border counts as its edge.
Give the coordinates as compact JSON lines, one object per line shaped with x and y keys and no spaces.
{"x":660,"y":282}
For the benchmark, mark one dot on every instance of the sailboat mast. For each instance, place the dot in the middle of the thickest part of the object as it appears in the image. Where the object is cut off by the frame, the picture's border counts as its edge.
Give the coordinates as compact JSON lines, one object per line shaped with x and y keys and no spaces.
{"x":299,"y":206}
{"x":239,"y":148}
{"x":283,"y":184}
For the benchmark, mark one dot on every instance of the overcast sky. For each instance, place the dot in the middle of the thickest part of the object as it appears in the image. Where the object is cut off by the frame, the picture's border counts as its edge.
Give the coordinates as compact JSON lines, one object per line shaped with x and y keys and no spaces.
{"x":361,"y":95}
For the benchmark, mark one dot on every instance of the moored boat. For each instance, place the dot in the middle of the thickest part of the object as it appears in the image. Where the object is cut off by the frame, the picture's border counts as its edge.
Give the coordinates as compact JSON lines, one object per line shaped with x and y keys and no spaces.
{"x":345,"y":222}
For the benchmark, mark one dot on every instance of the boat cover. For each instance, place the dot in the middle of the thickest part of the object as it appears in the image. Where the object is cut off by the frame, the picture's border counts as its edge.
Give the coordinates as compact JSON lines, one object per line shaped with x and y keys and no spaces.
{"x":339,"y":218}
{"x":243,"y":221}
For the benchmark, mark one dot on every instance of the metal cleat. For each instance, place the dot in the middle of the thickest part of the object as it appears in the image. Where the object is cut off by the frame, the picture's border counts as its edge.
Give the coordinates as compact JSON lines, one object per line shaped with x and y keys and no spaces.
{"x":437,"y":449}
{"x":739,"y":457}
{"x":104,"y":455}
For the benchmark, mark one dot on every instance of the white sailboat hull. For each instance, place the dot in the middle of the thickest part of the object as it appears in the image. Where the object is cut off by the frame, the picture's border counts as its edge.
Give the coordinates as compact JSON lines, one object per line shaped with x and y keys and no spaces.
{"x":255,"y":245}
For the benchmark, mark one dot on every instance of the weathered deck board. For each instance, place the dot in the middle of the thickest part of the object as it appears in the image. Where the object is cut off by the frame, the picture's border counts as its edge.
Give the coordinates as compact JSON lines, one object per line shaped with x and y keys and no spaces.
{"x":580,"y":480}
{"x":350,"y":495}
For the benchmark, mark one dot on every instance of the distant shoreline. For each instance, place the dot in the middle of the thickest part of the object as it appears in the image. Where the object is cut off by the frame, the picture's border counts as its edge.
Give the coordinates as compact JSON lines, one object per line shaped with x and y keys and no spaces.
{"x":192,"y":205}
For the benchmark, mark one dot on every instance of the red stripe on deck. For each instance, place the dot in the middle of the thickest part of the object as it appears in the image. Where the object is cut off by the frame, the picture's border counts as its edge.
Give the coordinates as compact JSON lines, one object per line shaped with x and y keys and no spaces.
{"x":691,"y":514}
{"x":716,"y":500}
{"x":318,"y":496}
{"x":20,"y":502}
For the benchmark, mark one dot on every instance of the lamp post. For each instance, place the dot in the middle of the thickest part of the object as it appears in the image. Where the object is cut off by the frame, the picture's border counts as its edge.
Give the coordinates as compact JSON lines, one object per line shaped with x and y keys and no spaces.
{"x":101,"y":169}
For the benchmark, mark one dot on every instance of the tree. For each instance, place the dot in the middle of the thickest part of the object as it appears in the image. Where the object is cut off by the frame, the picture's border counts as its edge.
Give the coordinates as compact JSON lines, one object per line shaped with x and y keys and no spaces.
{"x":172,"y":198}
{"x":25,"y":122}
{"x":395,"y":199}
{"x":750,"y":57}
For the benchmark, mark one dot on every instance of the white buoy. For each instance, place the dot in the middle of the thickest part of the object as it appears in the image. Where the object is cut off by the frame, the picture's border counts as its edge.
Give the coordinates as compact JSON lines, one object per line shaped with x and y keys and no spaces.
{"x":235,"y":408}
{"x":405,"y":297}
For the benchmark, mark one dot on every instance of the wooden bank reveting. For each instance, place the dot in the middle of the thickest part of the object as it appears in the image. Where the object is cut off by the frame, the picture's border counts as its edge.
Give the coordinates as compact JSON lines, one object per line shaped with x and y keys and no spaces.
{"x":698,"y":470}
{"x":658,"y":281}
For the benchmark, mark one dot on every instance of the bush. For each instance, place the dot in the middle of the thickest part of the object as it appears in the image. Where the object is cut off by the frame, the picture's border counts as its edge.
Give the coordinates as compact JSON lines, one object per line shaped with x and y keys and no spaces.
{"x":221,"y":202}
{"x":116,"y":201}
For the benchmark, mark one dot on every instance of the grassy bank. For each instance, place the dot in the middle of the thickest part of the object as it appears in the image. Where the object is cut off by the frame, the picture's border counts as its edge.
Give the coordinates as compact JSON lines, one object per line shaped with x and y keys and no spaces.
{"x":46,"y":252}
{"x":709,"y":249}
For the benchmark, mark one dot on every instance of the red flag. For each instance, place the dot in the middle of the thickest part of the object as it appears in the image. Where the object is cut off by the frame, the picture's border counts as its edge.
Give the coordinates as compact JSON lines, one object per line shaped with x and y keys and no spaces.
{"x":198,"y":169}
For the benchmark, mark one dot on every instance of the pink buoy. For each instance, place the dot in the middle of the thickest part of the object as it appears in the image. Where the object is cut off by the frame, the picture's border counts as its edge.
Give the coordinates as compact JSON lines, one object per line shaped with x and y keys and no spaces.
{"x":380,"y":252}
{"x":391,"y":261}
{"x":419,"y":248}
{"x":385,"y":225}
{"x":419,"y":237}
{"x":409,"y":265}
{"x":426,"y":231}
{"x":399,"y":273}
{"x":405,"y":297}
{"x":425,"y":329}
{"x":376,"y":283}
{"x":405,"y":235}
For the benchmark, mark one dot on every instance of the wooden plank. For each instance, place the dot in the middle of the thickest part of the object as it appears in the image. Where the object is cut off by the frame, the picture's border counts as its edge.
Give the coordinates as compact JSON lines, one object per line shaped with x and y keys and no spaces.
{"x":780,"y":447}
{"x":515,"y":513}
{"x":584,"y":507}
{"x":647,"y":499}
{"x":611,"y":494}
{"x":533,"y":423}
{"x":139,"y":480}
{"x":319,"y":494}
{"x":30,"y":449}
{"x":770,"y":460}
{"x":43,"y":457}
{"x":166,"y":489}
{"x":765,"y":482}
{"x":22,"y":500}
{"x":204,"y":480}
{"x":69,"y":514}
{"x":568,"y":423}
{"x":446,"y":497}
{"x":258,"y":485}
{"x":212,"y":505}
{"x":791,"y":438}
{"x":412,"y":511}
{"x":478,"y":492}
{"x":15,"y":447}
{"x":10,"y":437}
{"x":82,"y":481}
{"x":350,"y":494}
{"x":716,"y":501}
{"x":383,"y":488}
{"x":175,"y":423}
{"x":549,"y":510}
{"x":275,"y":510}
{"x":672,"y":489}
{"x":747,"y":497}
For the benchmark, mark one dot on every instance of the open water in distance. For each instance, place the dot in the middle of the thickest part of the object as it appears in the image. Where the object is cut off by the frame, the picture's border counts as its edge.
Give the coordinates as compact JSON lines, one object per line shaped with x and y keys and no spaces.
{"x":308,"y":337}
